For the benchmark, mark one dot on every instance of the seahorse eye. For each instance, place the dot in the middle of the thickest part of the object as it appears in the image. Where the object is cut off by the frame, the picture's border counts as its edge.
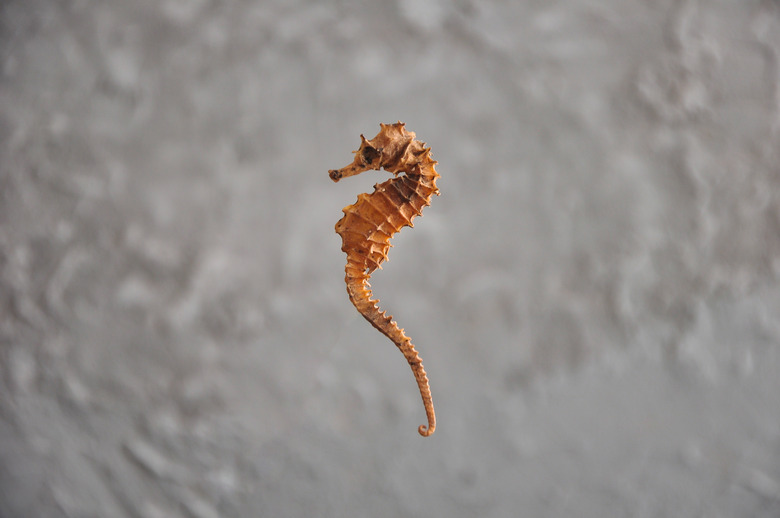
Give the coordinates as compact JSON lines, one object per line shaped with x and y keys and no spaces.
{"x":370,"y":154}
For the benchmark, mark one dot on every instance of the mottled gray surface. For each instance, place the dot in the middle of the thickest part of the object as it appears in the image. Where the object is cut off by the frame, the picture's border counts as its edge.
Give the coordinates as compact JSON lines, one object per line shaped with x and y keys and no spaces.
{"x":595,"y":293}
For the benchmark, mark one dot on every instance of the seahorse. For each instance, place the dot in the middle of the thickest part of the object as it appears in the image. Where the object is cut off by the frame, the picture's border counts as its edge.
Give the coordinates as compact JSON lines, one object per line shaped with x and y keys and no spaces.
{"x":368,"y":225}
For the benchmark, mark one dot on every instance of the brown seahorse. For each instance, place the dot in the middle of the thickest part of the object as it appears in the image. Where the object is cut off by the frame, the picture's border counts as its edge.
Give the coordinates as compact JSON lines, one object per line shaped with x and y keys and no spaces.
{"x":368,"y":225}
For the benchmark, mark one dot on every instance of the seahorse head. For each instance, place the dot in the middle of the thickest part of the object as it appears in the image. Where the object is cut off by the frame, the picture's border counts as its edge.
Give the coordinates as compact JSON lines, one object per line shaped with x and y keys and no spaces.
{"x":394,"y":149}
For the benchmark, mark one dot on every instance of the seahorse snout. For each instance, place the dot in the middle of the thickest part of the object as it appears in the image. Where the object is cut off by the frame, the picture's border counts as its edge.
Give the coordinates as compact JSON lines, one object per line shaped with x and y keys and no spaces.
{"x":352,"y":169}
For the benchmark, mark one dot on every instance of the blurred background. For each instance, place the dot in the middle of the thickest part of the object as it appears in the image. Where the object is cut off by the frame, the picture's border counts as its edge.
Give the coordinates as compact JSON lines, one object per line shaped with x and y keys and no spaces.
{"x":595,"y":293}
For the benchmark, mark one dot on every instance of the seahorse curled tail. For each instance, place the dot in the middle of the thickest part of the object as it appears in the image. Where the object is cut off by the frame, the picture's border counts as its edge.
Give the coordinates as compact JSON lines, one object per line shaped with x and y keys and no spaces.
{"x":369,"y":224}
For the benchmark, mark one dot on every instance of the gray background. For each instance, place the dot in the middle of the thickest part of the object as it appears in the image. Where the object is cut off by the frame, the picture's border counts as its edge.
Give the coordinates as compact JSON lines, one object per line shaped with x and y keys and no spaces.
{"x":595,"y":293}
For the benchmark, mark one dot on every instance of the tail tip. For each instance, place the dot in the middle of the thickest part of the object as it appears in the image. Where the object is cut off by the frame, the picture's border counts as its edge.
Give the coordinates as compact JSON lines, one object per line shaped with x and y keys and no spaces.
{"x":426,"y":430}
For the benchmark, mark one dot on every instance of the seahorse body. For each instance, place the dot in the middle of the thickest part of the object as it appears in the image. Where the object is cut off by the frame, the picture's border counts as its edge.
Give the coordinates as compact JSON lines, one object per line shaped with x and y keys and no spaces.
{"x":368,"y":225}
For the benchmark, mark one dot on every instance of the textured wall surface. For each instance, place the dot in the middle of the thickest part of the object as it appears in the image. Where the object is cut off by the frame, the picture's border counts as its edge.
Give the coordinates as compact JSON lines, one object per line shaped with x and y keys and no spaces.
{"x":595,"y":293}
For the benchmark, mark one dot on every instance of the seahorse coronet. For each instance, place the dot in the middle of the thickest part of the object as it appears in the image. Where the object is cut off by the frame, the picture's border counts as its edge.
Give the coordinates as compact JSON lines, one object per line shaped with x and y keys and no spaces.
{"x":370,"y":223}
